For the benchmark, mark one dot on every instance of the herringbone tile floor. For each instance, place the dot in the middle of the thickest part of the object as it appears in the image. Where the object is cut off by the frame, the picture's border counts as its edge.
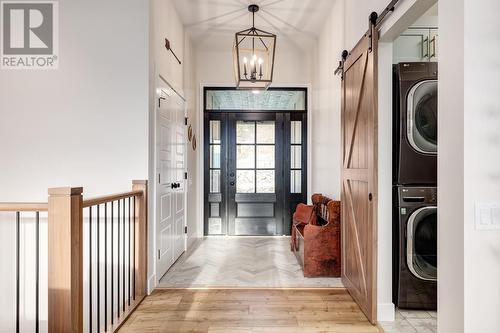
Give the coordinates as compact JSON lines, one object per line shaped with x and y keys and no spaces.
{"x":241,"y":262}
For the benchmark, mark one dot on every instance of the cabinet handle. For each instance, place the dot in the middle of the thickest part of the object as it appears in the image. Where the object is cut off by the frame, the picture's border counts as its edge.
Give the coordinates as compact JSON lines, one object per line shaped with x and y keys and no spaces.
{"x":425,"y":48}
{"x":433,"y":42}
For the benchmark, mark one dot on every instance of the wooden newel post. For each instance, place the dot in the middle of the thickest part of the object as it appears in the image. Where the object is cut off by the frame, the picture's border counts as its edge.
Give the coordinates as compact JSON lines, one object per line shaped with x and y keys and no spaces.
{"x":65,"y":260}
{"x":141,"y":207}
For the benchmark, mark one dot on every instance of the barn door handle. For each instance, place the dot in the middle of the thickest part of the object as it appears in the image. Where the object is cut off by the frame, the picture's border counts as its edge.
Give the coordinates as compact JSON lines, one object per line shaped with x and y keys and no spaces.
{"x":370,"y":196}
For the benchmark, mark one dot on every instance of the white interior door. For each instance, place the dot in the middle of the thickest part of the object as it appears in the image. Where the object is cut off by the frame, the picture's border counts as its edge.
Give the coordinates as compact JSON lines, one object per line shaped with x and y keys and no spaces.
{"x":170,"y":189}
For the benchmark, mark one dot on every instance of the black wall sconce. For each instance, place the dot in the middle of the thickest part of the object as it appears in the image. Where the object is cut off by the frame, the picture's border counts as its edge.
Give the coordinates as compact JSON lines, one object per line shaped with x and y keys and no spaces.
{"x":167,"y":46}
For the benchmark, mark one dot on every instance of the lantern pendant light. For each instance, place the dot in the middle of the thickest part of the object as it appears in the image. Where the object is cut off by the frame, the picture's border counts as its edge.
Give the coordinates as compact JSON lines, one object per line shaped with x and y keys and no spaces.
{"x":254,"y":52}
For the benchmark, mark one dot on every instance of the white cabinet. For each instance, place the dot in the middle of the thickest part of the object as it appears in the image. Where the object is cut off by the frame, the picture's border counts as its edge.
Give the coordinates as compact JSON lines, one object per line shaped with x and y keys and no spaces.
{"x":415,"y":45}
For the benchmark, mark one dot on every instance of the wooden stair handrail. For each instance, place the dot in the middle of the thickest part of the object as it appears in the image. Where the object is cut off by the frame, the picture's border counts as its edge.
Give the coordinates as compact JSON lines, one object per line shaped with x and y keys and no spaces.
{"x":65,"y":209}
{"x":23,"y":206}
{"x":109,"y":198}
{"x":65,"y":311}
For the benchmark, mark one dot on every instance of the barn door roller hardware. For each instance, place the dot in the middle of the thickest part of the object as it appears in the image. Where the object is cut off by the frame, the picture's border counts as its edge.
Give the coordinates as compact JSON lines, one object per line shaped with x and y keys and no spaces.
{"x":372,"y":27}
{"x":375,"y":21}
{"x":167,"y":46}
{"x":340,"y":69}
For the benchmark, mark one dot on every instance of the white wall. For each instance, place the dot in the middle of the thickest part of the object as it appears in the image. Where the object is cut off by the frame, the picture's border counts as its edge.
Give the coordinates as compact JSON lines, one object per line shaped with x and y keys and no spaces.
{"x":326,"y":98}
{"x":451,"y":266}
{"x":214,"y":61}
{"x":469,"y":165}
{"x":356,"y":18}
{"x":84,"y":124}
{"x":190,"y":93}
{"x":481,"y":162}
{"x":58,"y":127}
{"x":385,"y":307}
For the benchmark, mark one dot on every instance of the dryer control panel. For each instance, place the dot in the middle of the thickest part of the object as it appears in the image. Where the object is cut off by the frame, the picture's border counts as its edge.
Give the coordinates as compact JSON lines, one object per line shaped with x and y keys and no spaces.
{"x":417,"y":196}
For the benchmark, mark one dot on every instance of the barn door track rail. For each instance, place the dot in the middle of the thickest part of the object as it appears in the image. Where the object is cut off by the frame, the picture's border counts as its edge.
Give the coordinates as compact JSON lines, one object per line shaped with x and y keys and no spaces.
{"x":375,"y":21}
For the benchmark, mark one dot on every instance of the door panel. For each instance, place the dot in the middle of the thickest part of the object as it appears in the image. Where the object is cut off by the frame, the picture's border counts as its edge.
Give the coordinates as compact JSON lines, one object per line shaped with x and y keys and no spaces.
{"x":170,"y":152}
{"x":359,"y":174}
{"x":255,"y":174}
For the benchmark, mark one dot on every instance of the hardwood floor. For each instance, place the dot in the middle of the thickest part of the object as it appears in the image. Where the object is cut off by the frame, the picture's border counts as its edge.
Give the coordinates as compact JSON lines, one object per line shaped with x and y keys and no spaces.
{"x":249,"y":311}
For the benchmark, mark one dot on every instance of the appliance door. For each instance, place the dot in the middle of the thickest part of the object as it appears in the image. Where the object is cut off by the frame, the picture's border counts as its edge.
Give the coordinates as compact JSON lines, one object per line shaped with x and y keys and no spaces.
{"x":421,"y":243}
{"x":422,"y":117}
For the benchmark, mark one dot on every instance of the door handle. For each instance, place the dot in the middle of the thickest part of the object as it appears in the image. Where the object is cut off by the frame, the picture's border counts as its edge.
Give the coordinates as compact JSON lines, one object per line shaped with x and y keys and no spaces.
{"x":433,"y":43}
{"x":425,"y":48}
{"x":231,"y":183}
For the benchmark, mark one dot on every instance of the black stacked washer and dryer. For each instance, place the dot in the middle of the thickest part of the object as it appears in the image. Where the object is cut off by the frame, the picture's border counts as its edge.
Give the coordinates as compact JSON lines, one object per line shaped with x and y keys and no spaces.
{"x":415,"y":181}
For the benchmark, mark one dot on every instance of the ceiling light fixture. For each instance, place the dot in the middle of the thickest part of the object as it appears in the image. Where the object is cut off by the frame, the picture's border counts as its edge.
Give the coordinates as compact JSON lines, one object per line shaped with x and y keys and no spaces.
{"x":253,"y":52}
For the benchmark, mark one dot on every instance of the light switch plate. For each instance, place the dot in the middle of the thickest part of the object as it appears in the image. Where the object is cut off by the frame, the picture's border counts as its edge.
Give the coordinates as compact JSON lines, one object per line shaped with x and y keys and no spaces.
{"x":487,"y":216}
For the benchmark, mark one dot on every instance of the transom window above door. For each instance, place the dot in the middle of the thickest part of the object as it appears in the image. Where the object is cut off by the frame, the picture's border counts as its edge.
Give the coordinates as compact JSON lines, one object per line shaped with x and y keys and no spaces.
{"x":268,"y":100}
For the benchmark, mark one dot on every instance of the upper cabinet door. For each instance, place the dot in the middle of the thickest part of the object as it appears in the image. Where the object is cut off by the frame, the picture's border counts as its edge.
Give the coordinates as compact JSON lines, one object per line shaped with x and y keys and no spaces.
{"x":412,"y":46}
{"x":433,"y":44}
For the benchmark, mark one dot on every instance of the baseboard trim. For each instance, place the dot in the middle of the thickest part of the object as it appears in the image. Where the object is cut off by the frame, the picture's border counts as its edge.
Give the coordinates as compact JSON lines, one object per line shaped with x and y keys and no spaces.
{"x":386,"y":312}
{"x":151,"y":283}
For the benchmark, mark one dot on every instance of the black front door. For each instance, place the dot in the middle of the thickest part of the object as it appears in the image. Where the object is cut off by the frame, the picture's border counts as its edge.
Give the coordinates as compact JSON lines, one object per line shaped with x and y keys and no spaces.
{"x":255,"y":170}
{"x":255,"y":174}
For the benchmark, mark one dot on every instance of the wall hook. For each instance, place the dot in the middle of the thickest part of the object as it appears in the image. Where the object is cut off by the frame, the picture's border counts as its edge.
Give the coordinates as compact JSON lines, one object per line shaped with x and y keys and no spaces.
{"x":167,"y":46}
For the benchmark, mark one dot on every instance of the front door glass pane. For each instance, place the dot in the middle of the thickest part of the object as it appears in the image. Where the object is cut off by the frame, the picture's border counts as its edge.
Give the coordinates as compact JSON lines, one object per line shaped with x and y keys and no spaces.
{"x":214,"y":181}
{"x":296,"y":157}
{"x":215,"y":131}
{"x":245,"y":132}
{"x":245,"y":181}
{"x":265,"y":157}
{"x":265,"y":181}
{"x":296,"y":181}
{"x":295,"y":132}
{"x":265,"y":132}
{"x":245,"y":157}
{"x":215,"y":156}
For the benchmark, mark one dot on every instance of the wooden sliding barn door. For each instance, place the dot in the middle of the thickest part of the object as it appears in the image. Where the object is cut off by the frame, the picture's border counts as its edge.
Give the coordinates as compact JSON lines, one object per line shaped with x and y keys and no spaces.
{"x":359,"y":174}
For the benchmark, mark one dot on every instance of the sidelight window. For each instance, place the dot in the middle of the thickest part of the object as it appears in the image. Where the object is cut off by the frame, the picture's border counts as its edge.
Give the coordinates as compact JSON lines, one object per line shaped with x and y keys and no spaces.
{"x":215,"y":156}
{"x":295,"y":157}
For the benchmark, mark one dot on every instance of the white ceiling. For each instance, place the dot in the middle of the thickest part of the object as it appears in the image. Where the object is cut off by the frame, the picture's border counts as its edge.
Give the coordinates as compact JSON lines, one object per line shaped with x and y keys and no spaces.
{"x":292,"y":19}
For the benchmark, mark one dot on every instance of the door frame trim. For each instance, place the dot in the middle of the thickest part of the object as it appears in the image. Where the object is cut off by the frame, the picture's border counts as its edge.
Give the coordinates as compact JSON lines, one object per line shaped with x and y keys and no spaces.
{"x":201,"y":143}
